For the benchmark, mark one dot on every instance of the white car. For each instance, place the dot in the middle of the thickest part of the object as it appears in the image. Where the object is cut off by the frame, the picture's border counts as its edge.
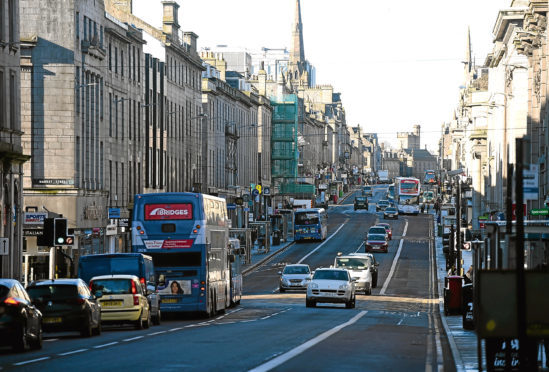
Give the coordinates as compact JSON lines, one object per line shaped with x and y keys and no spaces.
{"x":331,"y":285}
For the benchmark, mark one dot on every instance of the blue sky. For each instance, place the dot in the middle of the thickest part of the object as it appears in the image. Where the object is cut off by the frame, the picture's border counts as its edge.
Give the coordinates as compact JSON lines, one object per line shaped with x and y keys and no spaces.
{"x":397,"y":63}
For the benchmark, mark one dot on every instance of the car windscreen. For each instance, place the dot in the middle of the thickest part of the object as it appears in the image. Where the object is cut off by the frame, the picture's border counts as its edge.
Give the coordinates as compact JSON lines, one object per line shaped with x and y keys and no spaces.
{"x":296,"y":270}
{"x":91,"y":267}
{"x":306,"y":218}
{"x":390,"y":210}
{"x":4,"y":291}
{"x":376,"y":237}
{"x":352,"y":263}
{"x":331,"y":275}
{"x":54,"y":292}
{"x":360,"y":199}
{"x":377,"y":230}
{"x":383,"y":202}
{"x":112,"y":286}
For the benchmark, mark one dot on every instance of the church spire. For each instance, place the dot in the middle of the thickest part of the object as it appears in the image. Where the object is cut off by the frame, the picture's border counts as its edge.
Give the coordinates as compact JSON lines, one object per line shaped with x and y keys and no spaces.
{"x":298,"y":51}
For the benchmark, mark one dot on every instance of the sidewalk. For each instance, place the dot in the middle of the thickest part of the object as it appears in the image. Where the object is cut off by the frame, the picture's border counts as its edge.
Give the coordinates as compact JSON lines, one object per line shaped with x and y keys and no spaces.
{"x":463,"y":343}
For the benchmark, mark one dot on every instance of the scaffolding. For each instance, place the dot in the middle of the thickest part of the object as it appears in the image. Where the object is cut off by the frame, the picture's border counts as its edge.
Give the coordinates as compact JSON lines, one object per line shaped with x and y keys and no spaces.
{"x":284,"y":151}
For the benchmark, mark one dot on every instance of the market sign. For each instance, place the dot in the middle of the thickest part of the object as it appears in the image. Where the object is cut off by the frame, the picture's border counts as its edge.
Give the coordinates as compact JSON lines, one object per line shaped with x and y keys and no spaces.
{"x":530,"y":182}
{"x":35,"y":218}
{"x":540,"y":212}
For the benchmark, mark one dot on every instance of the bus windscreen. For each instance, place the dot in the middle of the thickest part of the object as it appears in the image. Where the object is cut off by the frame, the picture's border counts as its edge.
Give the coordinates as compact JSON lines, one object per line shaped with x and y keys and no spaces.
{"x":306,"y":219}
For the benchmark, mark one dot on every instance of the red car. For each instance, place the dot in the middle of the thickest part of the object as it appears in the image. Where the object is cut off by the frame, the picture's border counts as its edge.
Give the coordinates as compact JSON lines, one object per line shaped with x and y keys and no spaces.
{"x":376,"y":243}
{"x":387,"y":228}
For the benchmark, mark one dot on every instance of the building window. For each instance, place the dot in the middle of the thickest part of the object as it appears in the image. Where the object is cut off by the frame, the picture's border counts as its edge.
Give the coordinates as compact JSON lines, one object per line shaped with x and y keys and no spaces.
{"x":110,"y":57}
{"x":101,"y":37}
{"x":2,"y":101}
{"x":101,"y":169}
{"x":110,"y":114}
{"x":116,"y":117}
{"x":110,"y":182}
{"x":12,"y":15}
{"x":122,"y":62}
{"x":13,"y":100}
{"x":2,"y":21}
{"x":123,"y":123}
{"x":77,"y":161}
{"x":77,"y":25}
{"x":115,"y":60}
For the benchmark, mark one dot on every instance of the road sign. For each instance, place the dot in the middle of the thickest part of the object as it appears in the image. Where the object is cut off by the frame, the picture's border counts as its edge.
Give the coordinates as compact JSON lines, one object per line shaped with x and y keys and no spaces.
{"x":530,"y":183}
{"x":255,"y":192}
{"x":539,"y":212}
{"x":258,"y":188}
{"x":266,"y":190}
{"x":4,"y":246}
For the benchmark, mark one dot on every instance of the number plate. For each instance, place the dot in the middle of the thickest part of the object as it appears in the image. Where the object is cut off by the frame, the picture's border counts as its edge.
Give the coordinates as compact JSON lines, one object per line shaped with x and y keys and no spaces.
{"x":111,"y":303}
{"x":170,"y":300}
{"x":52,"y":320}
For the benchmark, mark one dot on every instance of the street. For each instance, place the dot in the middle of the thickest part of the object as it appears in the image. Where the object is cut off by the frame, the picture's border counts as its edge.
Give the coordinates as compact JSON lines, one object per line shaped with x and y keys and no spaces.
{"x":397,"y":327}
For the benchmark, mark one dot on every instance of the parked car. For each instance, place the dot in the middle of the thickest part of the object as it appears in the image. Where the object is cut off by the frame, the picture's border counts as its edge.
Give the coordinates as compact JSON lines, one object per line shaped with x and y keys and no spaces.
{"x":390,"y":212}
{"x":382,"y":205}
{"x":360,"y":268}
{"x":67,"y":305}
{"x":376,"y":242}
{"x":137,"y":264}
{"x":124,"y":300}
{"x":331,"y":285}
{"x":378,"y":230}
{"x":361,"y":202}
{"x":295,"y":276}
{"x":20,"y":320}
{"x":387,"y":229}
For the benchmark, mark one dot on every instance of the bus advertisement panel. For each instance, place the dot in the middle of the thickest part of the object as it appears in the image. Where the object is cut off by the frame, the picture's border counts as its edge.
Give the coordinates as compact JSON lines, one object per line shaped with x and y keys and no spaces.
{"x":408,"y":190}
{"x":187,"y":236}
{"x":310,"y":223}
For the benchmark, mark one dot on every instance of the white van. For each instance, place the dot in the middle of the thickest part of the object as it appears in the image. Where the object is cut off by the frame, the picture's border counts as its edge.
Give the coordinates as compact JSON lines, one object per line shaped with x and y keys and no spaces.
{"x":360,"y":268}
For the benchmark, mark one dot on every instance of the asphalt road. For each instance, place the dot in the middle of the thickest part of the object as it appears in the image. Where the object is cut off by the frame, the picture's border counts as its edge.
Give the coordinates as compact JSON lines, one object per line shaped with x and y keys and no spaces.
{"x":396,"y":328}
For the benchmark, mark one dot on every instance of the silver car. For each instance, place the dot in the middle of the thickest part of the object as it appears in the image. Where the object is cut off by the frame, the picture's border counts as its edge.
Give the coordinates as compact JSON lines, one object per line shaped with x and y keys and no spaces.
{"x":295,"y":276}
{"x":361,"y":270}
{"x":331,"y":285}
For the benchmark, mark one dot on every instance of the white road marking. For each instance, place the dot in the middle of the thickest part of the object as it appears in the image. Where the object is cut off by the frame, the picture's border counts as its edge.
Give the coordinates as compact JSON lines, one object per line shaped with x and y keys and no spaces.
{"x":73,"y":352}
{"x":227,"y":323}
{"x":395,"y":260}
{"x":174,"y":329}
{"x":51,"y":339}
{"x":156,"y":333}
{"x":273,"y":363}
{"x":105,"y":345}
{"x":400,"y":321}
{"x":266,"y":317}
{"x":31,"y":361}
{"x":325,"y":241}
{"x":133,"y":338}
{"x":360,"y":246}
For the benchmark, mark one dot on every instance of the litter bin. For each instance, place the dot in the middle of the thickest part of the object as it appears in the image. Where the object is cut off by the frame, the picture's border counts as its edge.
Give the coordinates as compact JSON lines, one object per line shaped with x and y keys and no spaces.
{"x":276,"y":237}
{"x":452,"y":294}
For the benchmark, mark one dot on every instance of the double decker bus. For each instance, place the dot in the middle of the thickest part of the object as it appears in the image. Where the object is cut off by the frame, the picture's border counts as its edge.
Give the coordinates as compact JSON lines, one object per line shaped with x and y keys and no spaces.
{"x":407,"y":195}
{"x":310,"y":223}
{"x":187,"y":236}
{"x":430,"y":177}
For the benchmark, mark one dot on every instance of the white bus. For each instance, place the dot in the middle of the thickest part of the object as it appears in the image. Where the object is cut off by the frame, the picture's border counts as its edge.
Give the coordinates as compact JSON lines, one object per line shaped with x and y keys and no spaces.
{"x":407,"y":195}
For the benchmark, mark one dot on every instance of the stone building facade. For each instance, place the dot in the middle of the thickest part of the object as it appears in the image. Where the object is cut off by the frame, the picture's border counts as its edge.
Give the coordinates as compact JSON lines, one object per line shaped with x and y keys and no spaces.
{"x":11,"y":151}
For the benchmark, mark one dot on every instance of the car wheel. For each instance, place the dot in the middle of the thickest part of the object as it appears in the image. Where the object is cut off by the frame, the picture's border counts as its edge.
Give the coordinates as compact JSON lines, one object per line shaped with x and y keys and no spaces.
{"x":349,"y":304}
{"x":139,"y":321}
{"x":37,"y":343}
{"x":98,"y":329}
{"x":310,"y":303}
{"x":281,"y":290}
{"x":374,"y":282}
{"x":20,"y":342}
{"x":157,"y":318}
{"x":87,"y":329}
{"x":369,"y":291}
{"x":148,"y":322}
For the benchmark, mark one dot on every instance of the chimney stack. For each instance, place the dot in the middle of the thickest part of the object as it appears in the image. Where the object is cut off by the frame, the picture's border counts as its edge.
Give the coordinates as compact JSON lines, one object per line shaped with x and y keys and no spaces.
{"x":190,"y":38}
{"x":262,"y":79}
{"x":170,"y":19}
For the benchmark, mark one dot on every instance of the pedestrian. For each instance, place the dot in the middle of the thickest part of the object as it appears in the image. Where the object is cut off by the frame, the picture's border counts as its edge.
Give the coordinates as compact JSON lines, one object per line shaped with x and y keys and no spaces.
{"x":468,"y":278}
{"x":422,"y":208}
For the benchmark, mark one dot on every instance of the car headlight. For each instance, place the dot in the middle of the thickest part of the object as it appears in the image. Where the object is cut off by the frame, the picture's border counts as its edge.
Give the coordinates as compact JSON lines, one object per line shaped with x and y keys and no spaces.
{"x":284,"y":281}
{"x":343,"y":286}
{"x":314,"y":285}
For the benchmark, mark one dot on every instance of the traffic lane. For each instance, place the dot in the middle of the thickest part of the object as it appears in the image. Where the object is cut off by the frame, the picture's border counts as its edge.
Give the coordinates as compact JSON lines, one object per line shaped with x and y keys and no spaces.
{"x":381,"y":340}
{"x":411,"y":275}
{"x":229,"y":344}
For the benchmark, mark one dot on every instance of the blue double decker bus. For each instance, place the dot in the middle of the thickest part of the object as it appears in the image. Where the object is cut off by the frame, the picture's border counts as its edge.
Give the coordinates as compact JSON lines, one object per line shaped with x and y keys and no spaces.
{"x":187,"y":236}
{"x":310,"y":223}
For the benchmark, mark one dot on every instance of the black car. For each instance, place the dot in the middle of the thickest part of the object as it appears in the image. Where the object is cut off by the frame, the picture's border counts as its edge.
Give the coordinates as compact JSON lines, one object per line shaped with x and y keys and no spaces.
{"x":20,"y":320}
{"x":361,"y":202}
{"x":67,"y":305}
{"x":382,"y":204}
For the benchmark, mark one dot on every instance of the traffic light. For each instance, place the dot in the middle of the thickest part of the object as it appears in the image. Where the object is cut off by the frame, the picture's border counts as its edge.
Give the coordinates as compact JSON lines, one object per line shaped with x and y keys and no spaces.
{"x":60,"y":231}
{"x":46,"y":239}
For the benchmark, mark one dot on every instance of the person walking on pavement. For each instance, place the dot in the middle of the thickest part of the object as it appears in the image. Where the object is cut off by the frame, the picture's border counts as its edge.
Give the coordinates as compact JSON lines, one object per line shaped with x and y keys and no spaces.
{"x":422,"y":208}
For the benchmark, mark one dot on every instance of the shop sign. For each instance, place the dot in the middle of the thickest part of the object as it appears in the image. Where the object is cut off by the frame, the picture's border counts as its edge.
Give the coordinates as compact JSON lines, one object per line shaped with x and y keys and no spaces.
{"x":52,"y":182}
{"x":124,"y":222}
{"x":111,"y":230}
{"x":114,"y":213}
{"x":35,"y":218}
{"x":32,"y":232}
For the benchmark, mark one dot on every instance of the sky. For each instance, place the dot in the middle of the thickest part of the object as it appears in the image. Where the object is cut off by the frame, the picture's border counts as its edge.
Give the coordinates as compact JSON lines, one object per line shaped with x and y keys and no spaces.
{"x":396,"y":63}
